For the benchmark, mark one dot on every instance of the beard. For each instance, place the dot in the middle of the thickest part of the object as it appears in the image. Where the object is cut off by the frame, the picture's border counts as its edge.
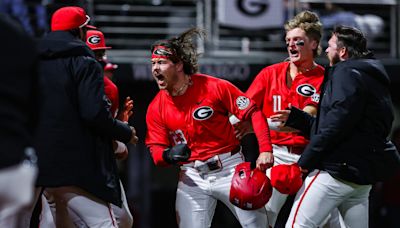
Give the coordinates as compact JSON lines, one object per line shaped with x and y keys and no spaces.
{"x":334,"y":59}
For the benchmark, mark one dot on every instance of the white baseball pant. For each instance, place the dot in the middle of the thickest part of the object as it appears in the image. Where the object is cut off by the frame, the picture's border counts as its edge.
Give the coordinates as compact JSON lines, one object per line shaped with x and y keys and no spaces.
{"x":84,"y":209}
{"x":198,"y":193}
{"x":16,"y":191}
{"x":321,"y":193}
{"x":122,"y":215}
{"x":277,"y":200}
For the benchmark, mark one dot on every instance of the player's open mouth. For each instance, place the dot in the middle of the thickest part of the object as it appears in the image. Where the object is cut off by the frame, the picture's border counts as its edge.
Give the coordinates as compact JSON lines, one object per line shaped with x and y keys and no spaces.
{"x":293,"y":52}
{"x":160,"y":79}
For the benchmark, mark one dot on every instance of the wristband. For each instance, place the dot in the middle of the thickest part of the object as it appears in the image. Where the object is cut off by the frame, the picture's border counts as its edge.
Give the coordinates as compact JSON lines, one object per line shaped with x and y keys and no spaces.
{"x":121,"y":147}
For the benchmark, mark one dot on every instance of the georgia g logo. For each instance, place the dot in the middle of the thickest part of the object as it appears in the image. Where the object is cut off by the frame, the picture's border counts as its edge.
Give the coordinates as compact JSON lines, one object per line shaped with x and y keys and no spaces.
{"x":306,"y":90}
{"x":203,"y":113}
{"x":94,"y":39}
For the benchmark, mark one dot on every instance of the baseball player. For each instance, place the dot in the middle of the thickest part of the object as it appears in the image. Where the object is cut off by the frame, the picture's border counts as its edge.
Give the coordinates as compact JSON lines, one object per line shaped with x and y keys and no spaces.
{"x":297,"y":82}
{"x":96,"y":41}
{"x":75,"y":131}
{"x":347,"y":137}
{"x":188,"y":125}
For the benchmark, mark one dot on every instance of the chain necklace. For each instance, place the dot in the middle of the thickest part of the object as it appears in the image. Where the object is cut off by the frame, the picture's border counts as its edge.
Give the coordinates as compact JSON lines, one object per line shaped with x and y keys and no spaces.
{"x":183,"y":87}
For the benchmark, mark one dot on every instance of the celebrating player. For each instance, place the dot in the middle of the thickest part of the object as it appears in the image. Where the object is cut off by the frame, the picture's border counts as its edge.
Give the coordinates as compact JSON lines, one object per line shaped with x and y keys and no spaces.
{"x":297,"y":82}
{"x":188,"y":125}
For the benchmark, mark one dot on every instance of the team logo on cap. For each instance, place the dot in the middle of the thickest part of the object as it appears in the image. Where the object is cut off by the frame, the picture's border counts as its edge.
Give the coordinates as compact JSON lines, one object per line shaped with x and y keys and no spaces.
{"x":95,"y":39}
{"x":203,"y":113}
{"x":242,"y":102}
{"x":306,"y":90}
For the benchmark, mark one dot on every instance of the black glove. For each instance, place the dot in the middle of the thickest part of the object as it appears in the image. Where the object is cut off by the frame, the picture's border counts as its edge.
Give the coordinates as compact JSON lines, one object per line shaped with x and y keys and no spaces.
{"x":177,"y":153}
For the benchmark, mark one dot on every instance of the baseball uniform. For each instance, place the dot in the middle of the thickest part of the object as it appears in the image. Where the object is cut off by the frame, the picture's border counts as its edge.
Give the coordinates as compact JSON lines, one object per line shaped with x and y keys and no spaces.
{"x":270,"y":92}
{"x":200,"y":119}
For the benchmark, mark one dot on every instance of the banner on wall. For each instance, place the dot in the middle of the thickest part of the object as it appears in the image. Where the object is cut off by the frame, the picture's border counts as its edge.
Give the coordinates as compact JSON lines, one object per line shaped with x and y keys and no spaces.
{"x":228,"y":71}
{"x":251,"y":14}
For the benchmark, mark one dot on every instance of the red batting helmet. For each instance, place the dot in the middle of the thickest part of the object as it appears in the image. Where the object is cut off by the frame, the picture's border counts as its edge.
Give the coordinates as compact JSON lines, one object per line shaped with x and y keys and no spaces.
{"x":250,"y":189}
{"x":286,"y":178}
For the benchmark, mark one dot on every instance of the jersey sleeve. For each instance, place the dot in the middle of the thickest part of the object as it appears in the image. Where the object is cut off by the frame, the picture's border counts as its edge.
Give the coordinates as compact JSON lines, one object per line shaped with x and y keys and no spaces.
{"x":157,"y":134}
{"x":256,"y":91}
{"x":111,"y":91}
{"x":245,"y":108}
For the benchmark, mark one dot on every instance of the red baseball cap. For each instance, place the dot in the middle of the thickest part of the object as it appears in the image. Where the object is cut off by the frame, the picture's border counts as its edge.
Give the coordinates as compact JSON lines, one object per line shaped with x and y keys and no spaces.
{"x":95,"y":40}
{"x":286,"y":178}
{"x":69,"y":17}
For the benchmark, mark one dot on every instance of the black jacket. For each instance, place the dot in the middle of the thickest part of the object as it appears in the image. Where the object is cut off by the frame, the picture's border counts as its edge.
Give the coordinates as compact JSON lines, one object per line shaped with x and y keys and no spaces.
{"x":75,"y":127}
{"x":348,"y":136}
{"x":17,"y":92}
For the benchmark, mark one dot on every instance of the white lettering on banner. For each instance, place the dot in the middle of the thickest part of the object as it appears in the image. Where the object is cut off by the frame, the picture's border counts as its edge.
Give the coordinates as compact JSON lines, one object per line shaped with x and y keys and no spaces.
{"x":231,"y":71}
{"x":251,"y":13}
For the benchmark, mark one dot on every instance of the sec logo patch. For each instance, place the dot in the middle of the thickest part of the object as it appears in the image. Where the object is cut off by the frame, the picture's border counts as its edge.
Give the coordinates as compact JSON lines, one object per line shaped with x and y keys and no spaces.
{"x":306,"y":90}
{"x":203,"y":113}
{"x":242,"y":102}
{"x":315,"y":97}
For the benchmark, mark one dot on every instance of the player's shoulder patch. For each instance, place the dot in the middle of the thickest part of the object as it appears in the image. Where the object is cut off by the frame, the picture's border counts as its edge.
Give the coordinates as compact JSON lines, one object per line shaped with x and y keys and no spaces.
{"x":242,"y":102}
{"x":315,"y":97}
{"x":306,"y":90}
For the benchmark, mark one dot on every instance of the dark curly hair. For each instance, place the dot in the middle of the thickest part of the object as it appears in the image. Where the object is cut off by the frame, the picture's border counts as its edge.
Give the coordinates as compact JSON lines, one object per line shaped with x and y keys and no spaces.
{"x":353,"y":40}
{"x":183,"y":49}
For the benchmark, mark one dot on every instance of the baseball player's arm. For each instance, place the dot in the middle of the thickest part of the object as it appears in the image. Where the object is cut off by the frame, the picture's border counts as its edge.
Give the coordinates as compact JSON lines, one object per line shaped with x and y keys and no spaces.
{"x":310,"y":109}
{"x":93,"y":105}
{"x":157,"y":138}
{"x":278,"y":120}
{"x":245,"y":109}
{"x":265,"y":159}
{"x":164,"y":156}
{"x":255,"y":92}
{"x":346,"y":106}
{"x":157,"y":154}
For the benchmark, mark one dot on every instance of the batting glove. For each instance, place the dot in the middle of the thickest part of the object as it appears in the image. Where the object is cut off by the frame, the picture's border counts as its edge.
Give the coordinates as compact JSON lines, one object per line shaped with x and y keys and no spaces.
{"x":177,"y":153}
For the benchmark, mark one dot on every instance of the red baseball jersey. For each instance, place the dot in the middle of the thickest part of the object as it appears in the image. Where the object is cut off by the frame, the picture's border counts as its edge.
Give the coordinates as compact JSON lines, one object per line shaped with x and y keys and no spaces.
{"x":271,"y":93}
{"x":199,"y":118}
{"x":111,"y":91}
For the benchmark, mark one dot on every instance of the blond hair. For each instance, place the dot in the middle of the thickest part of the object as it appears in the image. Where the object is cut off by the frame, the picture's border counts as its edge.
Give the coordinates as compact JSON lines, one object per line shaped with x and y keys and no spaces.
{"x":310,"y":23}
